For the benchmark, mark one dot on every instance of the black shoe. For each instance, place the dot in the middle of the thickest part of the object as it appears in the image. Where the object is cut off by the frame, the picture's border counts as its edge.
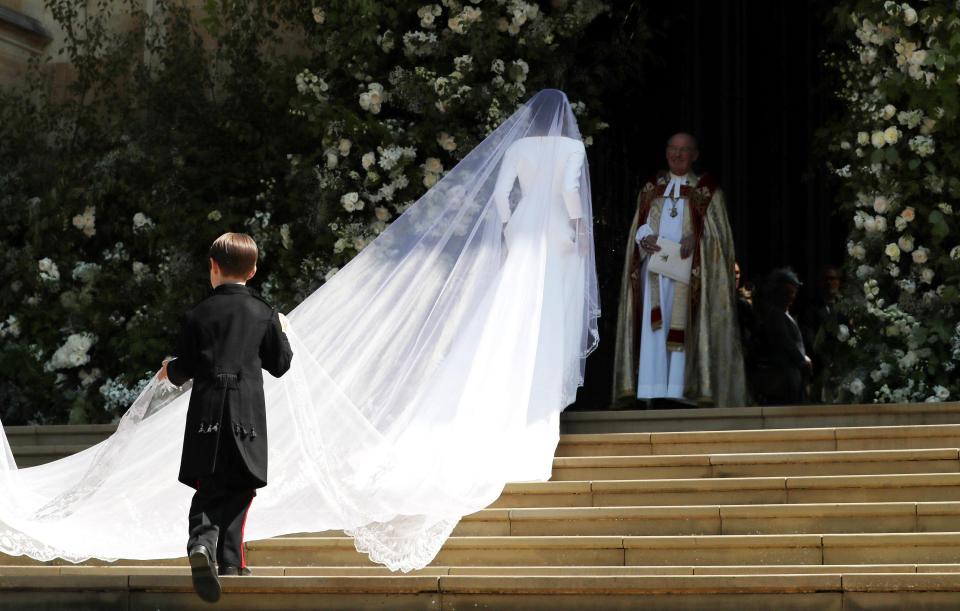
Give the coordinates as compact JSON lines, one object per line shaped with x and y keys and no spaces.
{"x":233,"y":570}
{"x":205,"y":580}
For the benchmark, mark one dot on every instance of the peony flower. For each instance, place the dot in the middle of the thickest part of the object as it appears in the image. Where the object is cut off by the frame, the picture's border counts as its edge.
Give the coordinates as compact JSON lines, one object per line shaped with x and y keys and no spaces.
{"x":921,"y":255}
{"x":926,"y":275}
{"x":908,"y":214}
{"x":446,"y":141}
{"x":889,"y":111}
{"x":350,"y":200}
{"x":433,"y":165}
{"x":863,"y":138}
{"x":881,"y":204}
{"x":318,"y":15}
{"x":892,"y":251}
{"x":877,"y":139}
{"x":857,"y":251}
{"x":909,"y":15}
{"x":905,"y":243}
{"x":344,"y":147}
{"x":368,"y":160}
{"x":891,"y":135}
{"x":381,"y":213}
{"x":48,"y":270}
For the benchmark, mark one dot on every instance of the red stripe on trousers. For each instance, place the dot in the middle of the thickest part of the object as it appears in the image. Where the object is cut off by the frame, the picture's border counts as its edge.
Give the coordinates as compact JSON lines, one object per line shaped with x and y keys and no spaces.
{"x":243,"y":527}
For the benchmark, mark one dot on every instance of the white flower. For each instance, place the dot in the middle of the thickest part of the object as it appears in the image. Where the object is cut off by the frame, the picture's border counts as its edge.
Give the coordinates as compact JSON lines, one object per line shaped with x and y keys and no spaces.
{"x":891,"y":135}
{"x":923,"y":146}
{"x":926,"y":275}
{"x":339,"y":245}
{"x":330,"y":273}
{"x":909,"y":15}
{"x":856,"y":387}
{"x":955,"y":253}
{"x":908,"y":286}
{"x":73,"y":353}
{"x":214,"y":215}
{"x":863,"y":138}
{"x":86,"y":222}
{"x":864,"y":271}
{"x":428,"y":15}
{"x":48,"y":270}
{"x":908,"y":214}
{"x":344,"y":147}
{"x":433,"y":165}
{"x":857,"y":250}
{"x":318,"y":15}
{"x":382,"y":213}
{"x":141,"y":222}
{"x":843,"y":333}
{"x":140,"y":271}
{"x":905,"y":243}
{"x":877,"y":139}
{"x":941,"y":393}
{"x":285,"y":240}
{"x":497,"y":66}
{"x":368,"y":160}
{"x":908,"y":360}
{"x":868,"y":55}
{"x":351,"y":201}
{"x":10,"y":327}
{"x":446,"y":141}
{"x":892,"y":251}
{"x":331,"y":158}
{"x":889,"y":111}
{"x":921,"y":255}
{"x":945,"y":208}
{"x":881,"y":204}
{"x":893,"y":270}
{"x":372,"y":98}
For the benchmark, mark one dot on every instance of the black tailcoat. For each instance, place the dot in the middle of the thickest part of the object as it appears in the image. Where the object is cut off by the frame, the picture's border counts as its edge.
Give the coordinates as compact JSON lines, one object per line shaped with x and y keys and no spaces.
{"x":225,"y":341}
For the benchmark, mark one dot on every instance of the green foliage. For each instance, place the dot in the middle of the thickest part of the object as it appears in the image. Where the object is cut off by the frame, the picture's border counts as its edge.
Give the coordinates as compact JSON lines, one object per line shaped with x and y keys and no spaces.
{"x":230,"y":116}
{"x":896,"y":152}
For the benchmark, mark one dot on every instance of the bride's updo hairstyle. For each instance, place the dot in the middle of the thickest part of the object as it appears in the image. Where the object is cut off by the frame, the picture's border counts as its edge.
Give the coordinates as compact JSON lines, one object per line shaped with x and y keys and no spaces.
{"x":235,"y":253}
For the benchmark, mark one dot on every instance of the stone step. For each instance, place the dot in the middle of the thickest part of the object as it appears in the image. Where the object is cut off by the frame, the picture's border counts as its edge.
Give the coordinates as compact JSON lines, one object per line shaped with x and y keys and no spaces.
{"x":859,"y":462}
{"x":35,"y":445}
{"x":926,"y":487}
{"x":829,"y":591}
{"x":771,"y":417}
{"x":816,"y":549}
{"x":713,"y":520}
{"x":382,"y":571}
{"x":753,"y":441}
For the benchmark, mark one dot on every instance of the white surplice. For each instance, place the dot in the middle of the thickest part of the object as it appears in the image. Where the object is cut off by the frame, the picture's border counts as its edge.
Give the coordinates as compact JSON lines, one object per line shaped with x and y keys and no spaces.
{"x":660,"y":372}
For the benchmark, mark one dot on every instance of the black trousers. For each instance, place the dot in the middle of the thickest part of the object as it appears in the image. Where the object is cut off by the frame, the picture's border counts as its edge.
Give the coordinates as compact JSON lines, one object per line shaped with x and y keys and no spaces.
{"x":219,"y":508}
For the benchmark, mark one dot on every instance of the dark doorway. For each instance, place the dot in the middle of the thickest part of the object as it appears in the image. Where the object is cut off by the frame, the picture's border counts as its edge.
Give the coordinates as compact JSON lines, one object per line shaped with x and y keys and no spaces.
{"x":749,"y":81}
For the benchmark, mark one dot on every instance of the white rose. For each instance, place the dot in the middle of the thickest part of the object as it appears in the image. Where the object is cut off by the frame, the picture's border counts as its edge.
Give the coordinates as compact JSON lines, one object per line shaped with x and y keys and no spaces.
{"x":881,"y":204}
{"x":856,"y":387}
{"x":344,"y":146}
{"x":382,"y":213}
{"x":433,"y":165}
{"x":870,"y":224}
{"x":926,"y":275}
{"x":955,"y":253}
{"x":877,"y":139}
{"x":905,"y":243}
{"x":908,"y":214}
{"x":889,"y":112}
{"x":863,"y":138}
{"x":891,"y":135}
{"x":921,"y":255}
{"x":909,"y":16}
{"x":843,"y":333}
{"x":368,"y":160}
{"x":892,"y":251}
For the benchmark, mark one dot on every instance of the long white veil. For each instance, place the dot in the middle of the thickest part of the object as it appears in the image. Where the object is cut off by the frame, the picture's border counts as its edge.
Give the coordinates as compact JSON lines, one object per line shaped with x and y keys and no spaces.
{"x":427,"y":373}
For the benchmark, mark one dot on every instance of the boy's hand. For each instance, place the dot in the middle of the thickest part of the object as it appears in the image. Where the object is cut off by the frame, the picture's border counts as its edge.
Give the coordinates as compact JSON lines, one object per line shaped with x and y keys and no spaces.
{"x":162,"y":374}
{"x":284,"y":323}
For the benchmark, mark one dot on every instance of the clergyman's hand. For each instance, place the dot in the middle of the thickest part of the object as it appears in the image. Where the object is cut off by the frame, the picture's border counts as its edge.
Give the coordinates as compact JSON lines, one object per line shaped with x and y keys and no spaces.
{"x":687,"y":245}
{"x":649,"y":244}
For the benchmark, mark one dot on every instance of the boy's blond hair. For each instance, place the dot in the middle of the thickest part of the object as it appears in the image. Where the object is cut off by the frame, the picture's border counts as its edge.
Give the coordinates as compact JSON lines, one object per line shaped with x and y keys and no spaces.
{"x":235,"y":253}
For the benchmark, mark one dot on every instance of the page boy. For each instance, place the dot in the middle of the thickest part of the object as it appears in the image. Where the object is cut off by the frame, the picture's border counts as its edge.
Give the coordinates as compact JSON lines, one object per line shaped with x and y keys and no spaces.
{"x":224,"y":342}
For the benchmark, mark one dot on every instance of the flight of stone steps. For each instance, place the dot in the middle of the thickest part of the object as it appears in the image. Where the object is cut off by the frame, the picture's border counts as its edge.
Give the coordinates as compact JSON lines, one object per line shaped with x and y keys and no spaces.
{"x":859,"y":509}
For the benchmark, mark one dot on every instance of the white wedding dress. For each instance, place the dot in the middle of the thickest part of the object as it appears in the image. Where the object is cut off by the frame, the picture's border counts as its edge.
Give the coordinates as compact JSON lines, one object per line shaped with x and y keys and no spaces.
{"x":427,"y":373}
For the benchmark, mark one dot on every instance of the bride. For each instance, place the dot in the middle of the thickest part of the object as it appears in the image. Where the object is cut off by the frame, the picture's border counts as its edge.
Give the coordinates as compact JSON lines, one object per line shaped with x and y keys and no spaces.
{"x":430,"y":371}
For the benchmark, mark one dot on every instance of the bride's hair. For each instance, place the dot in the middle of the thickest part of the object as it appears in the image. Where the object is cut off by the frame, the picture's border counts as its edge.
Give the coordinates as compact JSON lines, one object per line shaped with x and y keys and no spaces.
{"x":547,"y":118}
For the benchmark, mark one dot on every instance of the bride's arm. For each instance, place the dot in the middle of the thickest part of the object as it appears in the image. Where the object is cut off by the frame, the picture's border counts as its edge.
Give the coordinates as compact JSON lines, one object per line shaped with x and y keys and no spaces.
{"x":505,"y":180}
{"x":571,"y":184}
